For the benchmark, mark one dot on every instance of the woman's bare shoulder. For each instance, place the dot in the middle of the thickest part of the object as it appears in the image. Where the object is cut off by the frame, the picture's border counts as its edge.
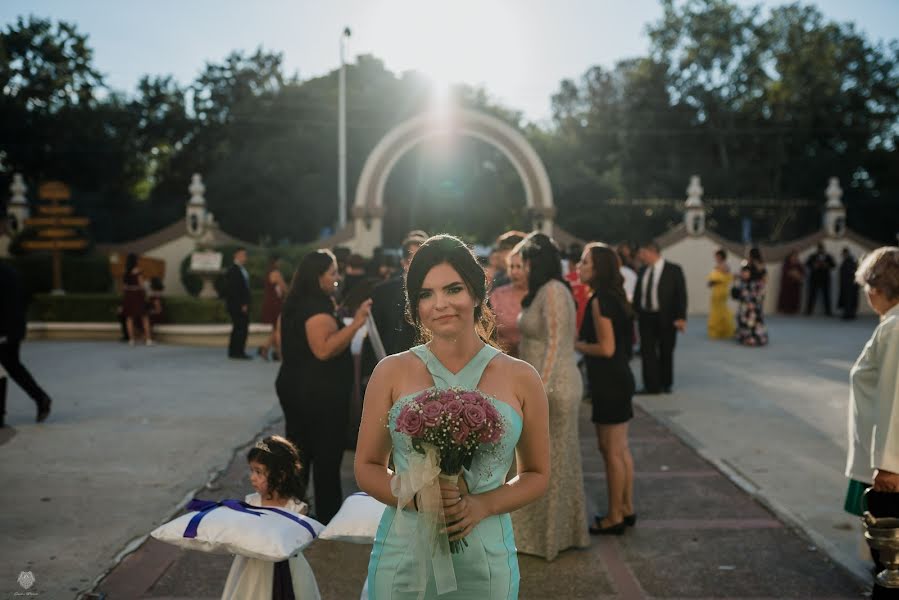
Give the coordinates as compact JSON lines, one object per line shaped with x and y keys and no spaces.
{"x":515,"y":367}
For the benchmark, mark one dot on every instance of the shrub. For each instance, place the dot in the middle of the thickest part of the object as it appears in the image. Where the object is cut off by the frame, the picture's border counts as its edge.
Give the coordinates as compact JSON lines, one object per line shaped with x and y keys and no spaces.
{"x":81,"y":274}
{"x":185,"y":310}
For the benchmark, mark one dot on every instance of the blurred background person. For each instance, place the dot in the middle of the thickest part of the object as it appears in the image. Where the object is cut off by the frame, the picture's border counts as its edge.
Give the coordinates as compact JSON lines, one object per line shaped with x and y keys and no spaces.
{"x":847,"y":301}
{"x":819,"y":265}
{"x":13,"y":321}
{"x":506,"y":304}
{"x":605,"y":340}
{"x":792,"y":274}
{"x":315,"y":381}
{"x":749,"y":291}
{"x":502,"y":247}
{"x":547,"y":324}
{"x":134,"y":300}
{"x":721,"y":320}
{"x":237,"y":301}
{"x":273,"y":294}
{"x":155,"y":305}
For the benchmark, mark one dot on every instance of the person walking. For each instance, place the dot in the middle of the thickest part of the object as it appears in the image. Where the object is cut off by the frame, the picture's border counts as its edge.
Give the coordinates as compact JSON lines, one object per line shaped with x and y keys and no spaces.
{"x":819,"y":266}
{"x":660,"y":301}
{"x":554,"y":522}
{"x":237,"y":300}
{"x":315,"y":381}
{"x":605,"y":340}
{"x":12,"y":332}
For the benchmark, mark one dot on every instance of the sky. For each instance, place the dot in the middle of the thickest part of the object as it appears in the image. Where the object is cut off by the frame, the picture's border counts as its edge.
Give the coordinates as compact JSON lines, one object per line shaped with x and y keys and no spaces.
{"x":519,"y":50}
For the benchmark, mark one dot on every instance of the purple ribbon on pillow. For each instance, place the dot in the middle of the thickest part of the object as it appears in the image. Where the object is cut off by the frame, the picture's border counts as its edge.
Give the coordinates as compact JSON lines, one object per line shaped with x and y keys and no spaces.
{"x":206,"y":506}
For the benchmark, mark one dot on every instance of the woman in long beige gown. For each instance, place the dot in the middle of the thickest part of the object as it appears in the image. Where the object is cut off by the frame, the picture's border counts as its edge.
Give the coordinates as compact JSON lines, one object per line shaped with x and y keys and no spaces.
{"x":547,"y":324}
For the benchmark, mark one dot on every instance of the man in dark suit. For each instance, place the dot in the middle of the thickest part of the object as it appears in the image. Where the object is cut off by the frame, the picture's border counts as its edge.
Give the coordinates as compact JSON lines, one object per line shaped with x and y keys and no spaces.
{"x":819,"y":265}
{"x":12,"y":332}
{"x":388,"y":310}
{"x":660,"y":301}
{"x":237,"y":299}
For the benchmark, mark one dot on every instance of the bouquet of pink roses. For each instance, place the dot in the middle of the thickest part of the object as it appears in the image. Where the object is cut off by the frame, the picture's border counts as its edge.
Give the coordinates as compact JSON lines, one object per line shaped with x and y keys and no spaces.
{"x":454,"y":422}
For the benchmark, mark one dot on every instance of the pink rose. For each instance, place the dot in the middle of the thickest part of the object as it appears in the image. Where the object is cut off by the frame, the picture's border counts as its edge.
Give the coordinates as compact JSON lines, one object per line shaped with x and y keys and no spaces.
{"x":475,"y":416}
{"x":412,"y":423}
{"x":471,"y":398}
{"x":453,"y":408}
{"x":460,"y":434}
{"x":431,"y":412}
{"x":493,"y":415}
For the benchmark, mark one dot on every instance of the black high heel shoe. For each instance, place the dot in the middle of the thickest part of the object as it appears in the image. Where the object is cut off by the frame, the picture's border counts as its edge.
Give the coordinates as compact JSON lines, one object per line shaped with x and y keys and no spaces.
{"x":616,"y":529}
{"x":629,"y":520}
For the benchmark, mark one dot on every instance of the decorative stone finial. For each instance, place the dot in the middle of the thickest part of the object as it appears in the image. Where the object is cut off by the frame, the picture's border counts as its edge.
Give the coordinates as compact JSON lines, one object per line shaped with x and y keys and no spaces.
{"x":834,"y":211}
{"x":17,"y":210}
{"x":694,"y":192}
{"x":197,"y":189}
{"x":834,"y":193}
{"x":694,"y":211}
{"x":198,"y":219}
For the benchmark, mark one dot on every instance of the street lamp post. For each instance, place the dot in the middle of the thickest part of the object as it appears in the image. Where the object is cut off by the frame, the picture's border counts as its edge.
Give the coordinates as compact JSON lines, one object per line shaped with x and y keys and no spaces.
{"x":341,"y":133}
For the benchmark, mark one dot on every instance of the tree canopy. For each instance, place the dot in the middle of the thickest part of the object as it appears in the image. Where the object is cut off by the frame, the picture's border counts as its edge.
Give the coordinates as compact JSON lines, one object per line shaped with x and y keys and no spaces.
{"x":763,"y":104}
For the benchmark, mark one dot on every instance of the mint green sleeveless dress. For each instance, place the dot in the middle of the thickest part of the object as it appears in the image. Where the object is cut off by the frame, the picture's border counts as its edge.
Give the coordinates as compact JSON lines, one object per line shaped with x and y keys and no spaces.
{"x":488,"y":568}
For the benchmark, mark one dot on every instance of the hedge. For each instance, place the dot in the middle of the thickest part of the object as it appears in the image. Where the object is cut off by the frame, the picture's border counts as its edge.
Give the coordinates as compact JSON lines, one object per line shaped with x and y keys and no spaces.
{"x":185,"y":310}
{"x":81,"y":274}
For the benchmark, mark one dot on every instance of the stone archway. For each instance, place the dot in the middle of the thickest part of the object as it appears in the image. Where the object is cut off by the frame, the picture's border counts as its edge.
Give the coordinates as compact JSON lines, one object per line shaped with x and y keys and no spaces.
{"x":368,"y":210}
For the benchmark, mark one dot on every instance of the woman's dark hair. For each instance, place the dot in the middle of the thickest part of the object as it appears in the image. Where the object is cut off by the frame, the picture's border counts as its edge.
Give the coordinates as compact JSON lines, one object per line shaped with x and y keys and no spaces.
{"x":721,"y":253}
{"x":545,"y":261}
{"x":156,"y":284}
{"x":446,"y":249}
{"x":755,"y":264}
{"x":282,"y":460}
{"x":304,"y":284}
{"x":273,"y":261}
{"x":130,"y":262}
{"x":607,"y":276}
{"x":755,"y":255}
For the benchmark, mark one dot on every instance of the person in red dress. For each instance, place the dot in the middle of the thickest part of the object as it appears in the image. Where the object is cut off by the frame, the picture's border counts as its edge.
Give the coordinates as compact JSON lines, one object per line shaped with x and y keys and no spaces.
{"x":134,"y":300}
{"x":272,"y":299}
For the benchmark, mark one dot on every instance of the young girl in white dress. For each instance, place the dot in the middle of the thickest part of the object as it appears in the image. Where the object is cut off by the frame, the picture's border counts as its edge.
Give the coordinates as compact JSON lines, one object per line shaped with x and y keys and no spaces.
{"x":275,"y":475}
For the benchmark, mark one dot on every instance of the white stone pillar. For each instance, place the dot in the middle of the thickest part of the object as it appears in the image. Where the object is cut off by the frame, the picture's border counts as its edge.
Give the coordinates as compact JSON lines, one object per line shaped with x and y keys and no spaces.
{"x":196,"y":217}
{"x":694,"y":210}
{"x":834,"y":211}
{"x":17,"y":210}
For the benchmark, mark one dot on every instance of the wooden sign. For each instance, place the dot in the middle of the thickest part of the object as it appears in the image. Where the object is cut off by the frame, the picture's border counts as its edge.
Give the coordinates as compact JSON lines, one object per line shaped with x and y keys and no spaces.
{"x":56,"y":232}
{"x":54,"y":190}
{"x":54,"y":244}
{"x":206,"y":261}
{"x":55,"y":227}
{"x":56,"y":210}
{"x":57,"y":222}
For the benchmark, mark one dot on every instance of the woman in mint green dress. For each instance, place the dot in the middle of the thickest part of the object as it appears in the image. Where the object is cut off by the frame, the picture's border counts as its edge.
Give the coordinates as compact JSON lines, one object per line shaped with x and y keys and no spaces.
{"x":446,"y":300}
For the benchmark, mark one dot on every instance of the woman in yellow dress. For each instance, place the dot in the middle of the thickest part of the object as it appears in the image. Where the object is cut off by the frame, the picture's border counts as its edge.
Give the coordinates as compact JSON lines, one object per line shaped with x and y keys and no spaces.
{"x":721,"y":319}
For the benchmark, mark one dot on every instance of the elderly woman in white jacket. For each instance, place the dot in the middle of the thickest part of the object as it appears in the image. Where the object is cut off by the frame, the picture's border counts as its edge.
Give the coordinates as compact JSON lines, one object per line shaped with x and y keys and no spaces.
{"x":874,"y":397}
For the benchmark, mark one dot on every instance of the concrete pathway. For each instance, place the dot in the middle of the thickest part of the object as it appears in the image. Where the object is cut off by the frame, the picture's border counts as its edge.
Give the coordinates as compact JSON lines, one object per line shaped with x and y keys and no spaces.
{"x":774,"y":419}
{"x":133,"y":432}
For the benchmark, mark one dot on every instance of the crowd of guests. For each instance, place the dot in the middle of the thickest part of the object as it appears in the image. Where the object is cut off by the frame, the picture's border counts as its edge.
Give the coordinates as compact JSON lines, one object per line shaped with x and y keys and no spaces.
{"x":749,"y":288}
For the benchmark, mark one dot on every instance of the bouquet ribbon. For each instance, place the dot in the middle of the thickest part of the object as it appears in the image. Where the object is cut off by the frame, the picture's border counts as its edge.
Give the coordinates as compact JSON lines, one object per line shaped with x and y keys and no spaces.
{"x":428,"y":543}
{"x":206,"y":506}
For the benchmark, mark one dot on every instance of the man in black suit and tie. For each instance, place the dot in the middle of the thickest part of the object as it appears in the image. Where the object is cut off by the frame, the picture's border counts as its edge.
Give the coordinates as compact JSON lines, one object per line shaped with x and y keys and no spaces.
{"x":660,"y":301}
{"x":237,"y":300}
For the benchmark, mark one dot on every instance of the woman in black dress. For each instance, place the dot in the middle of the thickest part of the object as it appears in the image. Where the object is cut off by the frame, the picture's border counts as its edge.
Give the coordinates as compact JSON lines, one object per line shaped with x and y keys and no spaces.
{"x":315,"y":380}
{"x":605,"y":339}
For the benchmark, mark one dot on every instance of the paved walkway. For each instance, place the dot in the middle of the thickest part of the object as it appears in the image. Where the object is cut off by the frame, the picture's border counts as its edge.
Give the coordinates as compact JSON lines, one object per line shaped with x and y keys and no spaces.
{"x":123,"y":450}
